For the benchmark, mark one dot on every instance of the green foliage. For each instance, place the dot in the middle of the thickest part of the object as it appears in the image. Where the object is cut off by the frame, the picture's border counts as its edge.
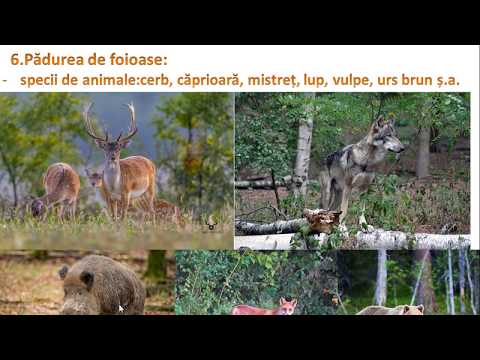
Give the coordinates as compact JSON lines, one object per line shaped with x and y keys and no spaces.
{"x":358,"y":275}
{"x":213,"y":282}
{"x":36,"y":131}
{"x":196,"y":148}
{"x":409,"y":207}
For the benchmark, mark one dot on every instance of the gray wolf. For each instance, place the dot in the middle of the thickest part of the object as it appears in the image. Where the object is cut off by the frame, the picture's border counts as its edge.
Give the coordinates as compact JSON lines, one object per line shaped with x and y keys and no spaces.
{"x":354,"y":166}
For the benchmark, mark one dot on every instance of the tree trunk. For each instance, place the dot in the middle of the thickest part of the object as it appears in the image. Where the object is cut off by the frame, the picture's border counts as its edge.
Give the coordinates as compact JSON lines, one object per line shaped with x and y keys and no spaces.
{"x":425,"y":294}
{"x":15,"y":192}
{"x":461,"y":279}
{"x":156,"y":265}
{"x":381,"y":286}
{"x":476,"y":286}
{"x":447,"y":298}
{"x":451,"y":293}
{"x":264,"y":236}
{"x":264,"y":184}
{"x":423,"y":155}
{"x":275,"y":190}
{"x":470,"y":285}
{"x":278,"y":227}
{"x":304,"y":142}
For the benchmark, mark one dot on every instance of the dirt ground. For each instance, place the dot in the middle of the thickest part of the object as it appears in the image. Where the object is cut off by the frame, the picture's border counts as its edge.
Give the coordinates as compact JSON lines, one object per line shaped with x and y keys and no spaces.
{"x":30,"y":286}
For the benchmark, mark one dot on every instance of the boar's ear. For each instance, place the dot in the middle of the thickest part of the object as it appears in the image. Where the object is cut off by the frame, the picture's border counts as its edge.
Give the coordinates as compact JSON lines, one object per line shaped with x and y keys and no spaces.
{"x":63,"y":272}
{"x":87,"y":279}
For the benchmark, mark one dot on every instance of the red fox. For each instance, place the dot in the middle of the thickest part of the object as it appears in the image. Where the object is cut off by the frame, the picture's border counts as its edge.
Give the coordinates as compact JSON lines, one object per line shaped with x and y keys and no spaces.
{"x":285,"y":308}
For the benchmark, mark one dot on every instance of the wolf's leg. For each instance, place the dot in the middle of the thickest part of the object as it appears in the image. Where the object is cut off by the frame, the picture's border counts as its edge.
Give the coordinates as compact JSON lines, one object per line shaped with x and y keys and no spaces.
{"x":325,"y":190}
{"x":336,"y":195}
{"x":345,"y":198}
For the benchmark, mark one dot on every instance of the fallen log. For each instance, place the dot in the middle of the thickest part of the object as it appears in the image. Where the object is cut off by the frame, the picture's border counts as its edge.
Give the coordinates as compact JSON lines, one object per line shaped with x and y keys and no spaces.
{"x":318,"y":221}
{"x":277,"y":227}
{"x":378,"y":239}
{"x":259,"y":184}
{"x":286,"y":181}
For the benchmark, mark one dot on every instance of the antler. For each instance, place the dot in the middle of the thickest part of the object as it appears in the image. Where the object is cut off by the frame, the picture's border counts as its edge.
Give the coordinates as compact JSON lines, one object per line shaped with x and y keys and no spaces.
{"x":89,"y":127}
{"x":132,"y":130}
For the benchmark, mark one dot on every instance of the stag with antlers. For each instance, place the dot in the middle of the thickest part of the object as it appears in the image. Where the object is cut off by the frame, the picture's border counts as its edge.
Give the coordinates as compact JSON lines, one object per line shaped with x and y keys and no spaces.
{"x":123,"y":179}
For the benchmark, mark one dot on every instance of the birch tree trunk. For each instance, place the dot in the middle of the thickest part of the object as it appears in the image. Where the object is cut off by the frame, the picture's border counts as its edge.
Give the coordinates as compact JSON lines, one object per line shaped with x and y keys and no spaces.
{"x":381,"y":286}
{"x":425,"y":294}
{"x":304,"y":142}
{"x":476,"y":290}
{"x":447,"y":298}
{"x":278,"y":227}
{"x":461,"y":279}
{"x":470,"y":285}
{"x":450,"y":283}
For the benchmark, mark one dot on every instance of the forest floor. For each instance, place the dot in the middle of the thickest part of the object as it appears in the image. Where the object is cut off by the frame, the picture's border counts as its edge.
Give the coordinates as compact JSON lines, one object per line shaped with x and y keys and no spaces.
{"x":30,"y":286}
{"x":94,"y":232}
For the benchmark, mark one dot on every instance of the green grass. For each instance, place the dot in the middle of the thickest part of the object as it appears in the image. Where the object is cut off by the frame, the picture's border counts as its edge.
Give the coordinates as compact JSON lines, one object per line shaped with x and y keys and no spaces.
{"x":94,"y":232}
{"x":356,"y":303}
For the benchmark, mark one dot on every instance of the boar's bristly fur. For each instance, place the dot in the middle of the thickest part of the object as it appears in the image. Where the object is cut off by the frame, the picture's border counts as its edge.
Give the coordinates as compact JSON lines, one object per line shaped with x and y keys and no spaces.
{"x":99,"y":285}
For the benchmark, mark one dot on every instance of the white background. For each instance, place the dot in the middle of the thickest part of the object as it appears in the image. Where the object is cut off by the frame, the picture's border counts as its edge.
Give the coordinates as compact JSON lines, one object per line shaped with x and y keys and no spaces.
{"x":459,"y":61}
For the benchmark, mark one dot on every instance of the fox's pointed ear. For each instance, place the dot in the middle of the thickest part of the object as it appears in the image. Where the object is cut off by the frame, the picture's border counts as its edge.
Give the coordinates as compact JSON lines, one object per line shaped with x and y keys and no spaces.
{"x":421,"y":308}
{"x":294,"y":302}
{"x":282,"y":301}
{"x":405,"y":309}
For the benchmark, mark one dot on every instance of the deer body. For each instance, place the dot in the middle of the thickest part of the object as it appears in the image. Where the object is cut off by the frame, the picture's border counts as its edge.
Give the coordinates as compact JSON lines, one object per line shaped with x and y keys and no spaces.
{"x":124,"y":179}
{"x":62,"y":185}
{"x":163,"y":209}
{"x":129,"y":179}
{"x":285,"y":308}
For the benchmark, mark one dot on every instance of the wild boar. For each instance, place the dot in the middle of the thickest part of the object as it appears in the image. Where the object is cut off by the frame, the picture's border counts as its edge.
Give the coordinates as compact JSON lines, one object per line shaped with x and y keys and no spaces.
{"x":99,"y":285}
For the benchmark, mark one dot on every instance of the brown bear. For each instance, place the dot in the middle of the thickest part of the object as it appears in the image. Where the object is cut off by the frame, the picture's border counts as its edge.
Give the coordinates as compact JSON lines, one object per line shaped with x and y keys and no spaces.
{"x":99,"y":285}
{"x":399,"y":310}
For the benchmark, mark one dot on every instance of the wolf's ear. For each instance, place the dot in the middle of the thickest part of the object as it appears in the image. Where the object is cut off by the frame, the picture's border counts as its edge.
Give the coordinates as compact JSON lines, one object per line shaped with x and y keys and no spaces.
{"x":380,"y":121}
{"x":391,"y":119}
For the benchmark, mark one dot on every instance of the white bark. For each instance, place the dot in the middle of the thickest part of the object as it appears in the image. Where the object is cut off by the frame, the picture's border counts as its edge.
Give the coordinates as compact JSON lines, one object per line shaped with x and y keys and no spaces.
{"x":388,"y":240}
{"x":461,"y":278}
{"x":447,"y":298}
{"x":304,"y":142}
{"x":419,"y":278}
{"x":470,"y":285}
{"x":278,"y":227}
{"x":266,"y":184}
{"x":451,"y":293}
{"x":381,"y":285}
